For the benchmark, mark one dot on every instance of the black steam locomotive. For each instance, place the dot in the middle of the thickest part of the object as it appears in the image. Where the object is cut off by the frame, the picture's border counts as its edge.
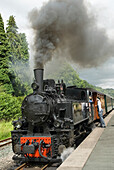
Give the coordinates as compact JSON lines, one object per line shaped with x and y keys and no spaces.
{"x":51,"y":120}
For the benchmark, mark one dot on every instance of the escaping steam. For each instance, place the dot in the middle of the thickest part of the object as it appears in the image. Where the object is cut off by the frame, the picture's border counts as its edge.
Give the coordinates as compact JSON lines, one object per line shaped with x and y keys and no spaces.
{"x":66,"y":153}
{"x":64,"y":28}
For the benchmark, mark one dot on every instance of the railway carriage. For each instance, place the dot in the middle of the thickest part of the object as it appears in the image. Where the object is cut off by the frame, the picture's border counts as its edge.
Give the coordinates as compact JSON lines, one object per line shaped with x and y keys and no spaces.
{"x":106,"y":102}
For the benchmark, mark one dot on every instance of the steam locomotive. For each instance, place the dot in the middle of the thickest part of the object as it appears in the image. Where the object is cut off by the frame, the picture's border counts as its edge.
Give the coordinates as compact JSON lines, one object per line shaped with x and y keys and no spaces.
{"x":52,"y":119}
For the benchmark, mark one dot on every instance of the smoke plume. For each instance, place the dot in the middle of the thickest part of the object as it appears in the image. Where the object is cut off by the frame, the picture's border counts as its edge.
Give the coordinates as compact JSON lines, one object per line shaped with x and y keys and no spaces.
{"x":64,"y":28}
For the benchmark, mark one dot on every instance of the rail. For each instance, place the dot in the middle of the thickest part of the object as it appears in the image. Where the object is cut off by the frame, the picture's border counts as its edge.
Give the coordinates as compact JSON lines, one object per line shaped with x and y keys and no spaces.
{"x":44,"y":167}
{"x":21,"y":166}
{"x":5,"y":142}
{"x":25,"y":164}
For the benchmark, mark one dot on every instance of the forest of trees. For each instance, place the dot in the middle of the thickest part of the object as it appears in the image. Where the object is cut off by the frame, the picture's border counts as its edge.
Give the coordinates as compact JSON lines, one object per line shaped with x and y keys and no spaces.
{"x":14,"y":53}
{"x":13,"y":50}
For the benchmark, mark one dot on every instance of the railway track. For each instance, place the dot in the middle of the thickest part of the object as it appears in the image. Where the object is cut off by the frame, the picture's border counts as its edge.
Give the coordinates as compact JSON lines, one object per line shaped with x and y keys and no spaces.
{"x":21,"y":166}
{"x":5,"y":142}
{"x":30,"y":166}
{"x":26,"y":165}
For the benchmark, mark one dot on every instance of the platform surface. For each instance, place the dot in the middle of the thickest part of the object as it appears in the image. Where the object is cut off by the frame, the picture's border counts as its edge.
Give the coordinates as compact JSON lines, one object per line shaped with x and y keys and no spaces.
{"x":96,"y":152}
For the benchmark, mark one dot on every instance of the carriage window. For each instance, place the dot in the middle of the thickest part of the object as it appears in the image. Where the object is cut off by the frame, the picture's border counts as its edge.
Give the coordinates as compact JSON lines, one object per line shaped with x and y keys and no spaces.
{"x":83,"y":95}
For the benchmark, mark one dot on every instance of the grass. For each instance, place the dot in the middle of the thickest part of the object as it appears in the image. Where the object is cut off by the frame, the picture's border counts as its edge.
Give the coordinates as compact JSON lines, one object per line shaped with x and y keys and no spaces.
{"x":5,"y":129}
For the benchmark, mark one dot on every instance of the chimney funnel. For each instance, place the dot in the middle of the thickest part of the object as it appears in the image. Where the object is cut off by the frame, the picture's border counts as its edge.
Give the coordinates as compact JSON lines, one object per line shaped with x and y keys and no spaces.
{"x":38,"y":74}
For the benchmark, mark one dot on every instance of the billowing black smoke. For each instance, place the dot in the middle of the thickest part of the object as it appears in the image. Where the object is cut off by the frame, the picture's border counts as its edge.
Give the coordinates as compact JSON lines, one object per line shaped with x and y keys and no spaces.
{"x":63,"y":28}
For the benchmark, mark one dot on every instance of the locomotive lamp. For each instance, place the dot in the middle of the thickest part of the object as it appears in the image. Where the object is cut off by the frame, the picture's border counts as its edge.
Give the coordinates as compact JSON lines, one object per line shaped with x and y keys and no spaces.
{"x":57,"y":124}
{"x":17,"y":124}
{"x":35,"y":86}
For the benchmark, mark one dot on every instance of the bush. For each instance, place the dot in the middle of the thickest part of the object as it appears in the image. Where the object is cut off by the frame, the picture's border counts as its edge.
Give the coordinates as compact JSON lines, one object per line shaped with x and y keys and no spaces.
{"x":5,"y":129}
{"x":10,"y":106}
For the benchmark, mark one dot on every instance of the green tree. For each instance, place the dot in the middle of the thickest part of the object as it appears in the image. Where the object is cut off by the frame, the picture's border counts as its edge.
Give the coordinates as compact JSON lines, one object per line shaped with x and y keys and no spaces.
{"x":18,"y":54}
{"x":4,"y":60}
{"x":12,"y":35}
{"x":69,"y":75}
{"x":23,"y":48}
{"x":17,"y":42}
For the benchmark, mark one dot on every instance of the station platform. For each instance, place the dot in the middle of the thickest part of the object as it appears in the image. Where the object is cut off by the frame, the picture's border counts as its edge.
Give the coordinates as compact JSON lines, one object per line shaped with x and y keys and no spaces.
{"x":96,"y":152}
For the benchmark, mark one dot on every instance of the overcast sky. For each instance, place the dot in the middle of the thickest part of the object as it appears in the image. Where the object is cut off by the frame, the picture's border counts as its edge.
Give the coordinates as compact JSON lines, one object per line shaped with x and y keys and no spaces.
{"x":103,"y":10}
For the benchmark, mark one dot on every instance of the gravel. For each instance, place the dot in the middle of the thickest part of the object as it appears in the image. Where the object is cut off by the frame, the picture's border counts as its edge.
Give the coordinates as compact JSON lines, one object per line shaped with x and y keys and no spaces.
{"x":6,"y":162}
